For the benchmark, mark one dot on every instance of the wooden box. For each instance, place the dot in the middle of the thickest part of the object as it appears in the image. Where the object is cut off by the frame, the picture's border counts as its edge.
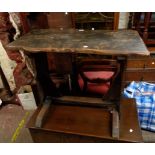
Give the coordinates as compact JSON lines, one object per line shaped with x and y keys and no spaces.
{"x":86,"y":124}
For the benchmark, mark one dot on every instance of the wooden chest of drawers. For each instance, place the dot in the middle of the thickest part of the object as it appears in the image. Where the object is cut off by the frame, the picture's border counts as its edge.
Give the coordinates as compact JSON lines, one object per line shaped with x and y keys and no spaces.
{"x":139,"y":69}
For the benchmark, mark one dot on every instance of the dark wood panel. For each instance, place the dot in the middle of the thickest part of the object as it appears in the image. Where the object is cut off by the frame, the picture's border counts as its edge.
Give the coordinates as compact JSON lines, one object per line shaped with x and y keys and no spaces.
{"x":59,"y":20}
{"x":135,"y":63}
{"x":143,"y":22}
{"x":84,"y":101}
{"x":147,"y":62}
{"x":150,"y":63}
{"x":133,"y":75}
{"x":149,"y":75}
{"x":78,"y":120}
{"x":79,"y":124}
{"x":129,"y":124}
{"x":96,"y":20}
{"x":40,"y":136}
{"x":139,"y":75}
{"x":116,"y":20}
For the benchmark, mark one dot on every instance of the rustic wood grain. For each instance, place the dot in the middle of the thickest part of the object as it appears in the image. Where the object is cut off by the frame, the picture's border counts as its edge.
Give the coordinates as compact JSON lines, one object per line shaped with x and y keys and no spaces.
{"x":129,"y":123}
{"x":115,"y":124}
{"x":65,"y":123}
{"x":84,"y":101}
{"x":122,"y":42}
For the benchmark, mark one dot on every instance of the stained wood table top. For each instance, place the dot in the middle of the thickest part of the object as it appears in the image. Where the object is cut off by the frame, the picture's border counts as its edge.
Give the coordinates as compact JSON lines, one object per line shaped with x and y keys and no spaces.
{"x":90,"y":122}
{"x":121,"y":42}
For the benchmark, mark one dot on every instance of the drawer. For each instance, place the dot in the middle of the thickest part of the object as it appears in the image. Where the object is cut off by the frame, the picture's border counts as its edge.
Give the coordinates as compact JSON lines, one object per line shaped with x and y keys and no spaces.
{"x":145,"y":75}
{"x":133,"y":76}
{"x":149,"y":75}
{"x":150,"y":63}
{"x":135,"y":63}
{"x":141,"y":63}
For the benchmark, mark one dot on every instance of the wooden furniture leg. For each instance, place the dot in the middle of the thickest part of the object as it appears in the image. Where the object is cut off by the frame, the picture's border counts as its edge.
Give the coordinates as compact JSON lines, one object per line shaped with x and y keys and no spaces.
{"x":115,"y":124}
{"x":48,"y":86}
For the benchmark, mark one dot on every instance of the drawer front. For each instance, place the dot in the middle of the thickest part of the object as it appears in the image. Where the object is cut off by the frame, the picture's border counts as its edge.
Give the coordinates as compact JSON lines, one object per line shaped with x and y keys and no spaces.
{"x":145,"y":75}
{"x":149,"y":75}
{"x":133,"y":76}
{"x":135,"y":63}
{"x":141,"y":63}
{"x":150,"y":63}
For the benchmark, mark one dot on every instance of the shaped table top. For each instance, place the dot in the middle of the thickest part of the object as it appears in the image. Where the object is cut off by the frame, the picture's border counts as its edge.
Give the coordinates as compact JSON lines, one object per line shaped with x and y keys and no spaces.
{"x":101,"y":42}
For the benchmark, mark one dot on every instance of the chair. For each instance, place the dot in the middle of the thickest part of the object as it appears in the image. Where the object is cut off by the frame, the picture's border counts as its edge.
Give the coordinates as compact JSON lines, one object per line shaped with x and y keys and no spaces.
{"x":96,"y":76}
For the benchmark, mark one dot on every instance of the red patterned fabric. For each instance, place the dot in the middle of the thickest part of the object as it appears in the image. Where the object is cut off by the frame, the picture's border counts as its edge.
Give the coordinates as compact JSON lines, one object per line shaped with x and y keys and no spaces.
{"x":99,"y":74}
{"x":21,"y":73}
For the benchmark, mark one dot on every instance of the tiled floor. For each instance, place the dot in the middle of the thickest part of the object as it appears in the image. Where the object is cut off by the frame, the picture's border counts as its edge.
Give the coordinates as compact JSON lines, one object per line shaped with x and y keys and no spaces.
{"x":12,"y":124}
{"x":13,"y":120}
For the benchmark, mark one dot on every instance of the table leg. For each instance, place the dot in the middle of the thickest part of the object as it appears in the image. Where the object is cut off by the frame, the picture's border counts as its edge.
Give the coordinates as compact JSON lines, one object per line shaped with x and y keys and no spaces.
{"x":115,"y":124}
{"x":43,"y":76}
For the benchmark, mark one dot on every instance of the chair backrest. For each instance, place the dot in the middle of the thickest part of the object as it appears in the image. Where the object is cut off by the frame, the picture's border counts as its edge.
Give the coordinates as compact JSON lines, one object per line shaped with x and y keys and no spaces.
{"x":96,"y":65}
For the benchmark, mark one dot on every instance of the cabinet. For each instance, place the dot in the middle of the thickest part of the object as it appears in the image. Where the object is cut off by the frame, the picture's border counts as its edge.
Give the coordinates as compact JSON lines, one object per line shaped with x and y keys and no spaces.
{"x":96,"y":20}
{"x":139,"y":69}
{"x":144,"y":23}
{"x":83,"y":20}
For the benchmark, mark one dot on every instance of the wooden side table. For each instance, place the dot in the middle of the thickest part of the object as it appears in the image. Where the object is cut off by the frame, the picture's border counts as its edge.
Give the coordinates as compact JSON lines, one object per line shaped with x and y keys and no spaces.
{"x":85,"y":123}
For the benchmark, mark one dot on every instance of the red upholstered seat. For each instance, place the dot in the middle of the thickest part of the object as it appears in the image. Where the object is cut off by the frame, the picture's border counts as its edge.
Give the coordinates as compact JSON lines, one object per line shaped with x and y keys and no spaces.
{"x":97,"y":88}
{"x":96,"y":76}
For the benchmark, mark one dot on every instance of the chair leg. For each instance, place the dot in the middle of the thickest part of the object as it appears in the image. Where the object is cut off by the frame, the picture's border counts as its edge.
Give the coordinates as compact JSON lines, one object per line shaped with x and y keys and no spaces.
{"x":69,"y":83}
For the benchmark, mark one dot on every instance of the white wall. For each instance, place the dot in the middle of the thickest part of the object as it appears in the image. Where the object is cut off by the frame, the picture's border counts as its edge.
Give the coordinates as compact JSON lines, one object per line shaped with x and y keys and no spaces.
{"x":123,"y":20}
